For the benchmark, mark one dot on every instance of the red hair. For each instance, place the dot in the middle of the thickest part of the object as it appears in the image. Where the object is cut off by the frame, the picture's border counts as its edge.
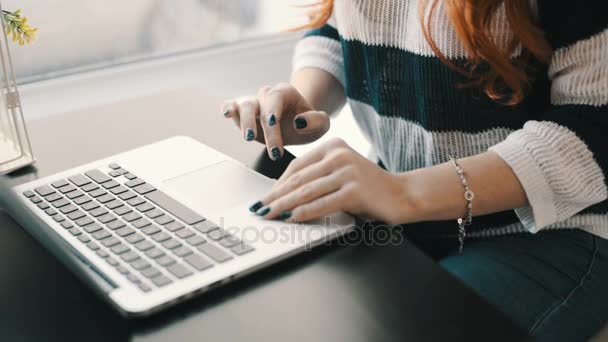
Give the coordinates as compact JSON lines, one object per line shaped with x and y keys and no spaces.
{"x":507,"y":79}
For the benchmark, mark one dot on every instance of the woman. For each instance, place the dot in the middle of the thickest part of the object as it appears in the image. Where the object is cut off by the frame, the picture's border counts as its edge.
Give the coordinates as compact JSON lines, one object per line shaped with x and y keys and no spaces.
{"x":515,"y":91}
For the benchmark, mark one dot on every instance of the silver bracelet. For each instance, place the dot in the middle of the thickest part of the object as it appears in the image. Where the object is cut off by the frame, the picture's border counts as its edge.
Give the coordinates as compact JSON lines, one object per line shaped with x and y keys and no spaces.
{"x":468,"y":196}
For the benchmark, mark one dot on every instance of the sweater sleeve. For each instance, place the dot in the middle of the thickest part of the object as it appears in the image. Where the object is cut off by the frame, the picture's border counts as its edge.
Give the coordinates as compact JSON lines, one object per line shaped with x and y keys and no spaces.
{"x":561,"y":160}
{"x":321,"y":48}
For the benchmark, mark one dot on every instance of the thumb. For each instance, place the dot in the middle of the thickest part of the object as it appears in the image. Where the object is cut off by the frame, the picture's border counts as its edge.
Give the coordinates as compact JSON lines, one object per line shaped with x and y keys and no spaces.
{"x":311,"y":123}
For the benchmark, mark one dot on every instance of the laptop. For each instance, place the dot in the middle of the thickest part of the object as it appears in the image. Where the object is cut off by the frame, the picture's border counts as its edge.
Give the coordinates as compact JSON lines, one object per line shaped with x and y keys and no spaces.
{"x":159,"y":224}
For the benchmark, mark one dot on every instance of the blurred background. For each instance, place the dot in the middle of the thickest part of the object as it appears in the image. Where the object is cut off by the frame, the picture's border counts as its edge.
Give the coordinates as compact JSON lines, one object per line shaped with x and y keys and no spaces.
{"x":80,"y":35}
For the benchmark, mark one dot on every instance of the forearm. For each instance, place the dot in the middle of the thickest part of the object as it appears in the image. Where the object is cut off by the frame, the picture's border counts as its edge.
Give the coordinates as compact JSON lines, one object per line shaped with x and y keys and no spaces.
{"x":436,"y":192}
{"x":321,"y":89}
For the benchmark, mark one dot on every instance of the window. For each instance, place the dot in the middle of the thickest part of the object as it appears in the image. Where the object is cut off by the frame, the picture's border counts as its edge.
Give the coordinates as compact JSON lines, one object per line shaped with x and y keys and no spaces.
{"x":76,"y":35}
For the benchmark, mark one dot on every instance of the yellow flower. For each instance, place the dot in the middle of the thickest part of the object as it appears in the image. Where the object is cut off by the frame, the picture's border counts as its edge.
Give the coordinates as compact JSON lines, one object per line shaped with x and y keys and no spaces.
{"x":18,"y":27}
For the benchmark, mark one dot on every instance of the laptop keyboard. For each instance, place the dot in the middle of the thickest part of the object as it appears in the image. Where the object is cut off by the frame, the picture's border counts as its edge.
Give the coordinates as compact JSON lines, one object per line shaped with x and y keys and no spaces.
{"x":150,"y":238}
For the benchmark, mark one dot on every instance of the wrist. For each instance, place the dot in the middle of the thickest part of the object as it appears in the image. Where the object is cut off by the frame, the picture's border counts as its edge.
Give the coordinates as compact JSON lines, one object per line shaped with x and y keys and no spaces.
{"x":412,"y":201}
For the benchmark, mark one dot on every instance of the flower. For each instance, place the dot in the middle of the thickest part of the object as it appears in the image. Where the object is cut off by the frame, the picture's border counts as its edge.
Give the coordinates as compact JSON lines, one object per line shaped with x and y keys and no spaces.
{"x":18,"y":27}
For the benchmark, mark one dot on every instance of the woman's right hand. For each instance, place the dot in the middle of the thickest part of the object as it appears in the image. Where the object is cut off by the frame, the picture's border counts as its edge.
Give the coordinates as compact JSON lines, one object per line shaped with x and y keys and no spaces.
{"x":277,"y":116}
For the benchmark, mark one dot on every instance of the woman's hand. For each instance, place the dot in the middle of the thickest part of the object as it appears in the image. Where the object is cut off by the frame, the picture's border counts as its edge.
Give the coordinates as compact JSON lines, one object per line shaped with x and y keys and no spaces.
{"x":277,"y":116}
{"x":331,"y":178}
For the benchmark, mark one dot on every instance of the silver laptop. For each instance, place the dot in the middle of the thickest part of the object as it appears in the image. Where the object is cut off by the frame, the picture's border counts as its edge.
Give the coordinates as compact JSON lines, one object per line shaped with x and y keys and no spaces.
{"x":156,"y":225}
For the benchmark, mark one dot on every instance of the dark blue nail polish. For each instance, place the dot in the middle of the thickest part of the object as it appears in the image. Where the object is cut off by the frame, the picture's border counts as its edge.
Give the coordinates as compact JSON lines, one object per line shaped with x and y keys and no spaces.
{"x":226,"y":111}
{"x":301,"y":123}
{"x":285,"y":215}
{"x":272,"y":119}
{"x":249,"y":134}
{"x":263,"y":211}
{"x":256,"y":206}
{"x":275,"y":153}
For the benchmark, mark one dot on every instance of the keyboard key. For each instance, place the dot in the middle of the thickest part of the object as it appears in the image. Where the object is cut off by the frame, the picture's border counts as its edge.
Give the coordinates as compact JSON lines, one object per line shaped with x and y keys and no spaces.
{"x":100,"y":235}
{"x":111,"y":184}
{"x":84,"y":238}
{"x":116,"y":225}
{"x":155,"y":253}
{"x":229,"y":241}
{"x":90,"y":206}
{"x":129,"y":256}
{"x":217,"y":234}
{"x":98,"y":212}
{"x":67,"y":188}
{"x":161,"y":236}
{"x":114,"y":204}
{"x":43,"y":205}
{"x":114,"y":173}
{"x":82,"y":200}
{"x":53,"y":197}
{"x":74,"y":231}
{"x":174,"y":207}
{"x":122,"y":171}
{"x":179,"y":270}
{"x":58,"y":218}
{"x":29,"y":194}
{"x":93,"y":246}
{"x":172,"y":243}
{"x":141,"y":223}
{"x":150,"y":272}
{"x":135,"y":201}
{"x":144,"y":288}
{"x":125,"y":231}
{"x":154,"y":213}
{"x":111,"y":261}
{"x":102,"y":253}
{"x":74,"y":194}
{"x":144,"y":245}
{"x":36,"y":199}
{"x":97,"y":176}
{"x":174,"y":226}
{"x":214,"y":252}
{"x":122,"y":210}
{"x":109,"y":242}
{"x":131,"y":216}
{"x":241,"y":249}
{"x":130,"y":176}
{"x":114,"y":166}
{"x":144,"y":207}
{"x":205,"y":226}
{"x":122,"y":270}
{"x":127,"y":195}
{"x":92,"y":228}
{"x":195,"y":240}
{"x":59,"y":183}
{"x":50,"y":211}
{"x":140,"y":264}
{"x":118,"y":190}
{"x":161,"y":281}
{"x":68,"y":209}
{"x":44,"y":190}
{"x":105,"y":198}
{"x":182,"y":251}
{"x":67,"y":224}
{"x":134,"y":238}
{"x":133,"y":278}
{"x":198,"y":262}
{"x":149,"y":230}
{"x":60,"y":203}
{"x":84,"y":221}
{"x":106,"y":218}
{"x":90,"y":187}
{"x":184,"y":233}
{"x":164,"y":219}
{"x":119,"y":248}
{"x":76,"y":215}
{"x":97,"y":192}
{"x":165,"y":261}
{"x":134,"y":182}
{"x":144,"y":188}
{"x":79,"y":180}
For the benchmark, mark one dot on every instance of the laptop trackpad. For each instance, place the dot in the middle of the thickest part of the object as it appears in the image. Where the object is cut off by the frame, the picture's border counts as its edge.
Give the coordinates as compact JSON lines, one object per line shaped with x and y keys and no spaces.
{"x":217,"y":187}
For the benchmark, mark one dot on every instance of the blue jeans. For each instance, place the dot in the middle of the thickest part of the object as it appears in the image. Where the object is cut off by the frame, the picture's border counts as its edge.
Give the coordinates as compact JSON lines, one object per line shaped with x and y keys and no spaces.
{"x":554,"y":284}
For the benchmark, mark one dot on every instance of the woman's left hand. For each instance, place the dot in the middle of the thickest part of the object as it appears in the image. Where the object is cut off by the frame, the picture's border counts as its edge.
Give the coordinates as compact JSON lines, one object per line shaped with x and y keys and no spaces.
{"x":331,"y":178}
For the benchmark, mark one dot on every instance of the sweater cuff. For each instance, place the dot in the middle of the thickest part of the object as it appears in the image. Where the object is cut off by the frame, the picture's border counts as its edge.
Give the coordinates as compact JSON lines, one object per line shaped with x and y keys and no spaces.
{"x":541,"y":210}
{"x":322,"y":53}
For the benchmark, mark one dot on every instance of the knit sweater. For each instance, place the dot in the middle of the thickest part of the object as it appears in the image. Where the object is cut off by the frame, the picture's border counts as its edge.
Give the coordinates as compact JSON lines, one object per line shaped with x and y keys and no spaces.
{"x":410,"y":106}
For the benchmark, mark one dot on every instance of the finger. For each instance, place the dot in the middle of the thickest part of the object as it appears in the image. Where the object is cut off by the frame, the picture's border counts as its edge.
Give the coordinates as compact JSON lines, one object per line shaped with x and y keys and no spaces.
{"x":312,"y":123}
{"x":230,"y":109}
{"x":321,"y":206}
{"x":282,"y":207}
{"x":299,"y":163}
{"x":249,"y":110}
{"x":271,"y":110}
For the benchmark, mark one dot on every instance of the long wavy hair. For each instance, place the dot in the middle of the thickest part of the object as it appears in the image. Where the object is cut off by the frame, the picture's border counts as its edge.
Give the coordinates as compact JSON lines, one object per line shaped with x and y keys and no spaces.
{"x":506,"y":79}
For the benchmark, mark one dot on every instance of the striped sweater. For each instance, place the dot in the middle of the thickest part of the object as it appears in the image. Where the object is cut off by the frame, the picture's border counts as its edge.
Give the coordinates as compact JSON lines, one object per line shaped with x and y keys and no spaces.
{"x":408,"y":104}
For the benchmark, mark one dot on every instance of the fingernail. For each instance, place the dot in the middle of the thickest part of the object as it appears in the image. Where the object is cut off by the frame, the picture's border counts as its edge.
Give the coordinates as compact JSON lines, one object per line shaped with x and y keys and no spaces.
{"x":301,"y":123}
{"x":256,"y":206}
{"x":263,"y":211}
{"x":249,"y":134}
{"x":276,"y":154}
{"x":272,"y":119}
{"x":226,"y":111}
{"x":285,"y":215}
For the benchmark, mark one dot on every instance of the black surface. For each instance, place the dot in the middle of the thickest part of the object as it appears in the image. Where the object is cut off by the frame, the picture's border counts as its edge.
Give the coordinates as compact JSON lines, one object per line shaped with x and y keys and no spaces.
{"x":333,"y":293}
